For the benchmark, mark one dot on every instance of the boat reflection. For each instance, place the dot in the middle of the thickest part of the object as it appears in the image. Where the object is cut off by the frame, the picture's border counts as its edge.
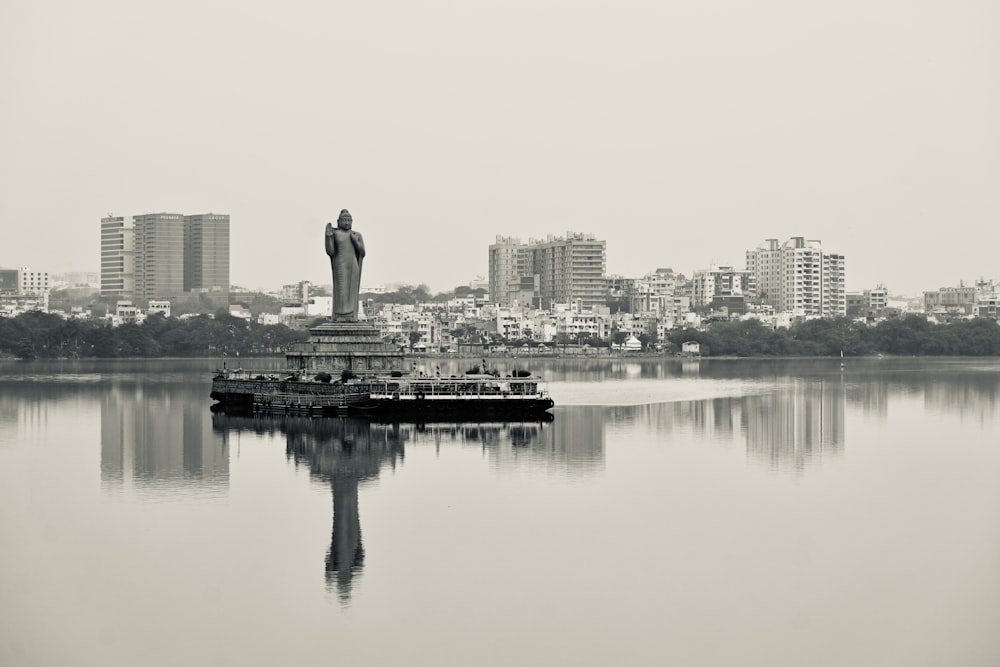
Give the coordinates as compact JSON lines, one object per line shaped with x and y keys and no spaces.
{"x":348,"y":452}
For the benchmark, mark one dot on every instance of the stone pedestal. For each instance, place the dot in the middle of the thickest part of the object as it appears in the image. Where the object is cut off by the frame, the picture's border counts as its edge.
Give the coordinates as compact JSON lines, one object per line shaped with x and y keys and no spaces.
{"x":338,"y":346}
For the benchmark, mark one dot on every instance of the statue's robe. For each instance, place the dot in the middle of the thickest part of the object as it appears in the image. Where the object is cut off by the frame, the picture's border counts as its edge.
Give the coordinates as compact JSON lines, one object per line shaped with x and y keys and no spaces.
{"x":346,"y":255}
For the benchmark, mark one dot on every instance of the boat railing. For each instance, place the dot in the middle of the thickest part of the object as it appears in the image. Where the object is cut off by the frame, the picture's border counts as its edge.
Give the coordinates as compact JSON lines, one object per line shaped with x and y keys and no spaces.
{"x":461,"y":387}
{"x":303,"y":400}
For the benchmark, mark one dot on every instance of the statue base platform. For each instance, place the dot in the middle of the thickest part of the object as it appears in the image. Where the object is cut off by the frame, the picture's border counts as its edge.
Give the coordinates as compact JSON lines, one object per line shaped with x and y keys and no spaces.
{"x":338,"y":346}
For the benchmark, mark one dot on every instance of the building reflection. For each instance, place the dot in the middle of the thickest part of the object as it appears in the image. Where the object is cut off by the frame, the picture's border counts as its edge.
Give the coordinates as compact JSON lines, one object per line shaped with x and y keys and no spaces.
{"x":973,"y":395}
{"x":791,"y":427}
{"x":152,"y":436}
{"x":796,"y":426}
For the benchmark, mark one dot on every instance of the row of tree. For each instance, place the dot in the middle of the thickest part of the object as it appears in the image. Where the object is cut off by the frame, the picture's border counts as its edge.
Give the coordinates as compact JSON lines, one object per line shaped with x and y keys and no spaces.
{"x":910,"y":335}
{"x":44,"y":335}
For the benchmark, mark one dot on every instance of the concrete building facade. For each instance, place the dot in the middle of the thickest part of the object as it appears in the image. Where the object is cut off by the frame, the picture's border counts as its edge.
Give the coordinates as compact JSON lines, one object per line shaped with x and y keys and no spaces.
{"x":718,"y":282}
{"x":32,"y":283}
{"x":564,"y":269}
{"x":117,"y":258}
{"x":509,"y":260}
{"x":798,"y":277}
{"x":206,"y":252}
{"x":159,"y":256}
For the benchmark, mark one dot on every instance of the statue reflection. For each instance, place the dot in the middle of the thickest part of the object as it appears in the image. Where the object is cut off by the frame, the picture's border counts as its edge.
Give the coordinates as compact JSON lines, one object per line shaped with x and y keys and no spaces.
{"x":348,"y":452}
{"x":342,"y":453}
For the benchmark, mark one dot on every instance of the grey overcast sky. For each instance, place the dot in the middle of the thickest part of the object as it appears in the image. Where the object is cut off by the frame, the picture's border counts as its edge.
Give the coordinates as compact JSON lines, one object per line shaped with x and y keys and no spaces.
{"x":683,"y":133}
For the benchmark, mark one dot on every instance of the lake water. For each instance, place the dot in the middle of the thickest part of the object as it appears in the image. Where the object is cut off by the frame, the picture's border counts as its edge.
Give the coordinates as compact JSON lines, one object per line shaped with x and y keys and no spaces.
{"x":721,"y":512}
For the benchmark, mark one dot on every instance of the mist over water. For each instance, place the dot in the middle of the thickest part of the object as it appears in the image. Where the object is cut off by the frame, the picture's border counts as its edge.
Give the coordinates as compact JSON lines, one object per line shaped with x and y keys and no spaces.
{"x":761,"y":512}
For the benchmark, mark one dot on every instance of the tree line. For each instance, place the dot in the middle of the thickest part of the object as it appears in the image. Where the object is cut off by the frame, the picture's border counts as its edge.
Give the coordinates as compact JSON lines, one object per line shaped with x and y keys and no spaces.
{"x":910,"y":335}
{"x":37,"y":335}
{"x":44,"y":335}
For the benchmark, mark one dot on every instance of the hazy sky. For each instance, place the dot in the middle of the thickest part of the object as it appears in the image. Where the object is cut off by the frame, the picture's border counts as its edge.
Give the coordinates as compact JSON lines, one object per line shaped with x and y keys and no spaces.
{"x":683,"y":133}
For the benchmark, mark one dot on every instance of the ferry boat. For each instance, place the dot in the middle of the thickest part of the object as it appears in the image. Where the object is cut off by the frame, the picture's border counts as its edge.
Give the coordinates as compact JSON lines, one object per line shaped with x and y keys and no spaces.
{"x":471,"y":394}
{"x":410,"y":395}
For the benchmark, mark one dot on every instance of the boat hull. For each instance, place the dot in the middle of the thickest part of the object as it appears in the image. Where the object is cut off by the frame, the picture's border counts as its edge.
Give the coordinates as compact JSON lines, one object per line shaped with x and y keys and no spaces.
{"x":267,"y":396}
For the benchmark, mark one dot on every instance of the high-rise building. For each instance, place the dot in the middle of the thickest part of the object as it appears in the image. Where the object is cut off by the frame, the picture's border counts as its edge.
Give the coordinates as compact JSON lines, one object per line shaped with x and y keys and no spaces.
{"x":797,"y":276}
{"x":117,"y":258}
{"x":206,"y":252}
{"x":508,"y":258}
{"x":567,"y":269}
{"x":163,"y":255}
{"x":571,"y":270}
{"x":159,"y":256}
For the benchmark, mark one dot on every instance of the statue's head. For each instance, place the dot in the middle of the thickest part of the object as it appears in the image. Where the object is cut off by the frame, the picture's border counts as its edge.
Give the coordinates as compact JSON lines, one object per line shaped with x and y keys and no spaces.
{"x":344,"y":220}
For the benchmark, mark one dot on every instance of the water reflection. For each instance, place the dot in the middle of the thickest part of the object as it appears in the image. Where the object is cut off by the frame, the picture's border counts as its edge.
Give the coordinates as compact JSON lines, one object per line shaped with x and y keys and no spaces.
{"x":348,"y":452}
{"x":796,"y":426}
{"x":792,"y":427}
{"x":156,"y":437}
{"x":343,"y":453}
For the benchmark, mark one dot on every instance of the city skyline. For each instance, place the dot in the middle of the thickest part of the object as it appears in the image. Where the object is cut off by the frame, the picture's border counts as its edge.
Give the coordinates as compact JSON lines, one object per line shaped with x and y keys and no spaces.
{"x":743,"y":266}
{"x":681,"y":134}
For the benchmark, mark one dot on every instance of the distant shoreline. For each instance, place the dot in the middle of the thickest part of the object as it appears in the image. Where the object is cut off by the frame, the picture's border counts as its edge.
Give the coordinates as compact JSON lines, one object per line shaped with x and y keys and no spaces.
{"x":234,"y":362}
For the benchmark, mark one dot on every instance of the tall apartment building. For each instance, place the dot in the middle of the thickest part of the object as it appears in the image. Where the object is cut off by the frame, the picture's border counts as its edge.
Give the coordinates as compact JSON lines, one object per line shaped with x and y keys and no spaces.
{"x":509,"y":260}
{"x":117,"y":258}
{"x":163,"y":255}
{"x":834,"y":297}
{"x":567,"y":269}
{"x":571,"y":270}
{"x":206,"y":252}
{"x":797,"y":276}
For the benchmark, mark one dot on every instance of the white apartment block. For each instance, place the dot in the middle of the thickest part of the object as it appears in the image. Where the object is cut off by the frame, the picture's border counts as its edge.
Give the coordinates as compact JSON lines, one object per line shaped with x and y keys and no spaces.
{"x":798,"y":277}
{"x":391,"y":329}
{"x":876,"y":299}
{"x":654,"y":293}
{"x":561,"y":269}
{"x":295,"y":294}
{"x":513,"y":324}
{"x":162,"y":307}
{"x":720,"y":281}
{"x":634,"y":325}
{"x":573,"y":323}
{"x":834,"y":297}
{"x":32,"y":283}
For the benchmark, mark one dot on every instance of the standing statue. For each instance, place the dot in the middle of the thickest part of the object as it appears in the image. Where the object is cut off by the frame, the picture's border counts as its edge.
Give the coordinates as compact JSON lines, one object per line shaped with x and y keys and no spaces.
{"x":346,"y":249}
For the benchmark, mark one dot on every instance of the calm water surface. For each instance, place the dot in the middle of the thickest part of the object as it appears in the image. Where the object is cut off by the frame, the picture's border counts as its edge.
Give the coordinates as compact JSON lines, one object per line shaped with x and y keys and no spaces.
{"x":706,"y":513}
